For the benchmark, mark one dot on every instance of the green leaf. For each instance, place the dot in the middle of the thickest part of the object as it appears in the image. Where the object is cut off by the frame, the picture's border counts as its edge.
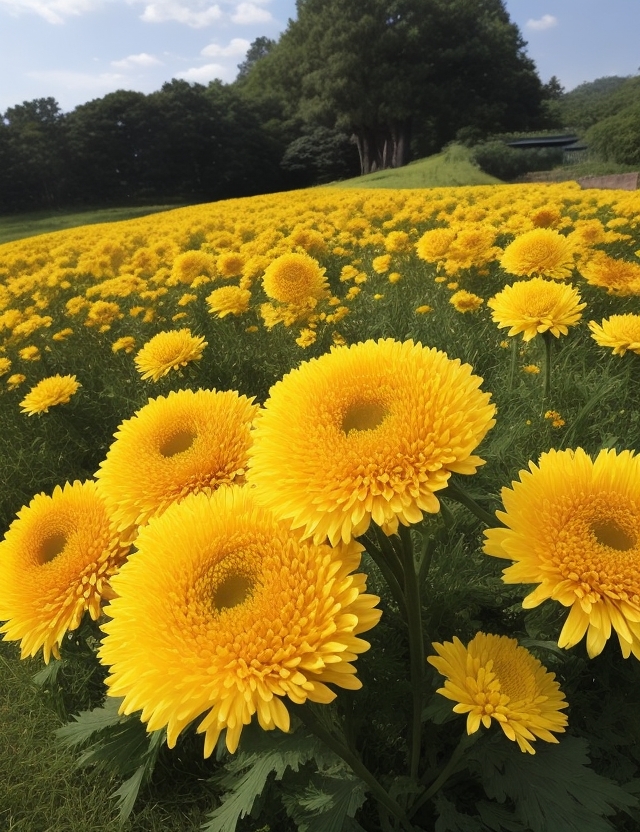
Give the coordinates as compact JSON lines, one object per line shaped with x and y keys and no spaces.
{"x":87,"y":723}
{"x":262,"y":754}
{"x":553,"y":790}
{"x":329,"y":803}
{"x":451,"y":820}
{"x":497,"y":818}
{"x":48,"y":674}
{"x":119,"y":744}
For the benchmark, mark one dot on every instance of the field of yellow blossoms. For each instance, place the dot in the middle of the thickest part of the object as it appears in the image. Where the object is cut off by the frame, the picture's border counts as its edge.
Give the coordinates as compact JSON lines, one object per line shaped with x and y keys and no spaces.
{"x":338,"y":485}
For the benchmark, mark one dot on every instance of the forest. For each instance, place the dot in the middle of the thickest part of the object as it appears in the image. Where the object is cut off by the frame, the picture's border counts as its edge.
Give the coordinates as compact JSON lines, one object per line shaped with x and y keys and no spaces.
{"x":345,"y":90}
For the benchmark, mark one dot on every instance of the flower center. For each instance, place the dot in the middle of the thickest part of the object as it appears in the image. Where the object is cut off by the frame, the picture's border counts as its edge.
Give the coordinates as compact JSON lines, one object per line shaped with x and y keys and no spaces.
{"x":609,"y":533}
{"x":178,"y":443}
{"x":51,"y":547}
{"x":363,"y":416}
{"x":233,"y":590}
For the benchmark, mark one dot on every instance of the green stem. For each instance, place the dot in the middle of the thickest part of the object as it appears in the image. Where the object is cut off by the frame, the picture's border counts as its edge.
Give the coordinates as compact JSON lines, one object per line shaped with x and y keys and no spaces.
{"x":466,"y":741}
{"x":416,"y":648}
{"x":514,"y":362}
{"x":356,"y":765}
{"x":382,"y":562}
{"x":390,"y":553}
{"x":457,"y":494}
{"x":547,"y":363}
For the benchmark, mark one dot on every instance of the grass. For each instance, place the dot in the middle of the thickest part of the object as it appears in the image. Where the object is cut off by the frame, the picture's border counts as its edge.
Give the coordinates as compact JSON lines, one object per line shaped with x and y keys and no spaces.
{"x":20,"y":226}
{"x":42,"y":790}
{"x":449,"y":168}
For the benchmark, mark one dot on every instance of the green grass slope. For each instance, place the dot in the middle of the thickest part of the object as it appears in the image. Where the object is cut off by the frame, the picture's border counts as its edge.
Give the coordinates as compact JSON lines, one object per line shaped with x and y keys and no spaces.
{"x":449,"y":168}
{"x":20,"y":226}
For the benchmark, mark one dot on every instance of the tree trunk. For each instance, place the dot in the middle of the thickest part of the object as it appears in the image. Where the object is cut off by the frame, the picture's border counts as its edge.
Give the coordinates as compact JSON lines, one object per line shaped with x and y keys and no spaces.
{"x":383,"y":147}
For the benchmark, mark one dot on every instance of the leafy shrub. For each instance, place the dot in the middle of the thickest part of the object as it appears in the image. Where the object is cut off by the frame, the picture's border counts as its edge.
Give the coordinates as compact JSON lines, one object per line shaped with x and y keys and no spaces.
{"x":508,"y":163}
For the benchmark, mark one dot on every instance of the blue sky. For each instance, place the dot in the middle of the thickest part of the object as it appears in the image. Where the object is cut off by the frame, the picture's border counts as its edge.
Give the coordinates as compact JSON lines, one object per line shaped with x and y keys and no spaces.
{"x":78,"y":50}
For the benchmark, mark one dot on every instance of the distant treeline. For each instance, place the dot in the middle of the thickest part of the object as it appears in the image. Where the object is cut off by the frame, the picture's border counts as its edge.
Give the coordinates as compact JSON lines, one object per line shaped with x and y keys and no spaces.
{"x":348,"y":88}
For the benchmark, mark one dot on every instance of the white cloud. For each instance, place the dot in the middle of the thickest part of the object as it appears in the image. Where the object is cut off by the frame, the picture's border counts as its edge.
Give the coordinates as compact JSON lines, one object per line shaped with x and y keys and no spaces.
{"x":547,"y":21}
{"x":206,"y":73}
{"x":133,"y":61}
{"x":53,"y":11}
{"x":103,"y":82}
{"x":195,"y":14}
{"x":248,"y":13}
{"x":235,"y":48}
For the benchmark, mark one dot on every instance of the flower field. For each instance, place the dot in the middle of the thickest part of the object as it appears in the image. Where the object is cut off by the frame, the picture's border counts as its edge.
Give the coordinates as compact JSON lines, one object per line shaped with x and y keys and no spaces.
{"x":336,"y":494}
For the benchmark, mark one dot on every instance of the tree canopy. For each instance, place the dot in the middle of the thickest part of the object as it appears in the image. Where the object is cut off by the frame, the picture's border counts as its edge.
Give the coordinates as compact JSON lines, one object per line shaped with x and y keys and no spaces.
{"x":389,"y":70}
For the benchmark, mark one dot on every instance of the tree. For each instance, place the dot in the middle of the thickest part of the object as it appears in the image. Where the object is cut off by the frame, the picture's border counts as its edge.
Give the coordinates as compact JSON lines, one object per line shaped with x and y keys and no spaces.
{"x":32,"y":143}
{"x":617,"y":138}
{"x":259,"y":49}
{"x":384,"y":70}
{"x":109,"y":140}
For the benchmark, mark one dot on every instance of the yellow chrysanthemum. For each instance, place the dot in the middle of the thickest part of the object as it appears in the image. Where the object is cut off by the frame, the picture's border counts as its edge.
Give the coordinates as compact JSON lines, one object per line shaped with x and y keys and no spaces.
{"x":573,"y":528}
{"x":49,"y":392}
{"x":464,"y":301}
{"x":5,"y":365}
{"x":127,"y":343}
{"x":168,"y":351}
{"x":494,"y":678}
{"x":618,"y":277}
{"x":230,"y":264}
{"x":16,"y":380}
{"x":228,"y":300}
{"x":294,"y":278}
{"x":31,"y":353}
{"x":190,"y":441}
{"x":541,"y":252}
{"x":620,"y":332}
{"x":224,"y":611}
{"x":434,"y":244}
{"x":367,"y":432}
{"x":56,"y":562}
{"x":535,"y":306}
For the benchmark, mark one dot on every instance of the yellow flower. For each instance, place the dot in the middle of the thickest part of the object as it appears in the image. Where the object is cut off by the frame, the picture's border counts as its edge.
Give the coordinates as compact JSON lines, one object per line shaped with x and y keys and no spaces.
{"x":306,"y":338}
{"x":541,"y":252}
{"x":293,"y":278}
{"x":535,"y":306}
{"x":5,"y":365}
{"x":190,"y":441}
{"x":168,"y":351}
{"x":102,"y":314}
{"x":532,"y":369}
{"x":229,"y":300}
{"x":620,"y":332}
{"x":49,"y":392}
{"x":465,"y":301}
{"x":494,"y":678}
{"x":434,"y":244}
{"x":56,"y":562}
{"x":573,"y":528}
{"x":424,"y":309}
{"x":224,"y":612}
{"x":62,"y":335}
{"x":29,"y":353}
{"x":381,"y":264}
{"x":127,"y":343}
{"x":367,"y":432}
{"x":192,"y":264}
{"x":394,"y":277}
{"x":16,"y":380}
{"x":397,"y":241}
{"x":230,"y":264}
{"x":618,"y":277}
